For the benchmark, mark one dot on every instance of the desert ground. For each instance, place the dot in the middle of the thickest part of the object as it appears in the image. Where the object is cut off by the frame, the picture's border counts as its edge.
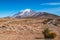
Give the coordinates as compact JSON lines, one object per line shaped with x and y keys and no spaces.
{"x":28,"y":29}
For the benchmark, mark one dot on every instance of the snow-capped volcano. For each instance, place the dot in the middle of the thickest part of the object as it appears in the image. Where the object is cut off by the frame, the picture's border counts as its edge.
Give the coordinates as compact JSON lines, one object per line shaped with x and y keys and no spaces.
{"x":30,"y":13}
{"x":25,"y":13}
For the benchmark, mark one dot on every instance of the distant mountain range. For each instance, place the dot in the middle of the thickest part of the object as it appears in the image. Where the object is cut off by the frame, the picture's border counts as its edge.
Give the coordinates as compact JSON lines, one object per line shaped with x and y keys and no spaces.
{"x":28,"y":13}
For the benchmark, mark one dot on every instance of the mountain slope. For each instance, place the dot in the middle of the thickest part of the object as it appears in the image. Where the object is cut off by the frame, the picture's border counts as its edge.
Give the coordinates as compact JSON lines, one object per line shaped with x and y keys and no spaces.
{"x":30,"y":13}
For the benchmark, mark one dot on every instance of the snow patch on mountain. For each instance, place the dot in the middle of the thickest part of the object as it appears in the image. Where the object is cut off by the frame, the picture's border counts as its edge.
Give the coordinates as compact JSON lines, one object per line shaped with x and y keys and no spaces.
{"x":26,"y":13}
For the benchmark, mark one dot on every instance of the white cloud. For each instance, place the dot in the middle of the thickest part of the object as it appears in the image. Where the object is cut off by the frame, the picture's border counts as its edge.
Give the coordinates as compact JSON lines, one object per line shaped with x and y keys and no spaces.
{"x":50,"y":4}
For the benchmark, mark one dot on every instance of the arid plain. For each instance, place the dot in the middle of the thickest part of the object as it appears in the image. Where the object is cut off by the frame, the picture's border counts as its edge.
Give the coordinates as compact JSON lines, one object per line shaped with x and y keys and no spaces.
{"x":28,"y":28}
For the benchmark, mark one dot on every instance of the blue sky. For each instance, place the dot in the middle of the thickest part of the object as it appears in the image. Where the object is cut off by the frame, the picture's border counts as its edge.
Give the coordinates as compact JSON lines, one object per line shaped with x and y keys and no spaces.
{"x":11,"y":7}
